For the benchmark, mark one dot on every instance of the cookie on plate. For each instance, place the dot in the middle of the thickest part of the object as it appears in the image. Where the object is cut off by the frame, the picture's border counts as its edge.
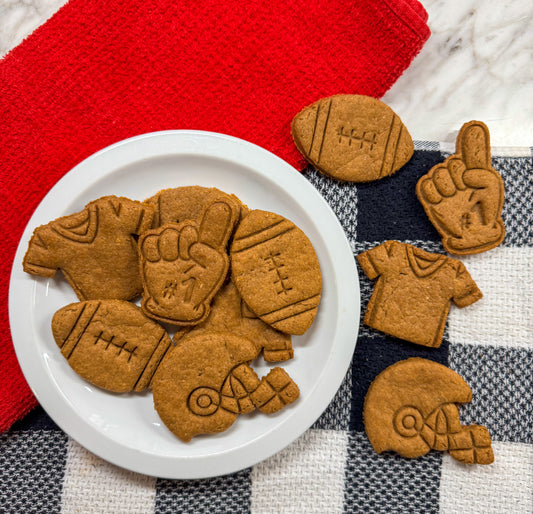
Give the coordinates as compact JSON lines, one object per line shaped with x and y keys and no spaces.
{"x":96,"y":249}
{"x":230,"y":314}
{"x":110,"y":343}
{"x":179,"y":204}
{"x":205,"y":382}
{"x":183,"y":265}
{"x":276,"y":271}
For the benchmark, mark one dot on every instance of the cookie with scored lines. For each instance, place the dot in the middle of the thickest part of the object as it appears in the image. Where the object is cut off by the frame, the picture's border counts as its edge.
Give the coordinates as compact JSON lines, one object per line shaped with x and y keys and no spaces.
{"x":110,"y":343}
{"x":276,"y":270}
{"x":353,"y":138}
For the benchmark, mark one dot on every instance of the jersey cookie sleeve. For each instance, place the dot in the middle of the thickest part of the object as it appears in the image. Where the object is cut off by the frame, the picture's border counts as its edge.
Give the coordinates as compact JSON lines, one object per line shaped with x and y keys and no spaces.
{"x":136,"y":217}
{"x":465,"y":290}
{"x":40,"y":259}
{"x":375,"y":261}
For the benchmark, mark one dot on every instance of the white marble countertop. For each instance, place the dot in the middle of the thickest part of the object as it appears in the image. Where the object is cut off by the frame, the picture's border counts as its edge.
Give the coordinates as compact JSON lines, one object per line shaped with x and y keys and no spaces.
{"x":477,"y":64}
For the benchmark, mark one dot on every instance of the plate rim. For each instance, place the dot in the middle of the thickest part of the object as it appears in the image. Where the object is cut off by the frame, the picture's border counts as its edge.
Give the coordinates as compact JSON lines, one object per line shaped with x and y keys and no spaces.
{"x":207,"y":466}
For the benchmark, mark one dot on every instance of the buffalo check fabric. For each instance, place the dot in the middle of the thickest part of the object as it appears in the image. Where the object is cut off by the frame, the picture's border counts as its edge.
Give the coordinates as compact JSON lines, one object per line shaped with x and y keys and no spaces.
{"x":332,"y":467}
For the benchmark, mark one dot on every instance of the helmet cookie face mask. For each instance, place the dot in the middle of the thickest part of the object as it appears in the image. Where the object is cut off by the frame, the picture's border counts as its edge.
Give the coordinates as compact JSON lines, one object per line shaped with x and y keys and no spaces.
{"x":206,"y":381}
{"x":411,"y":408}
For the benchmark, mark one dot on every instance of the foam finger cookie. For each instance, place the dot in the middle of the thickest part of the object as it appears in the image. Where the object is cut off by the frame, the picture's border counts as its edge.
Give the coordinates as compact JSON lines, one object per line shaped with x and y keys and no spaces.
{"x":183,"y":265}
{"x":463,"y":196}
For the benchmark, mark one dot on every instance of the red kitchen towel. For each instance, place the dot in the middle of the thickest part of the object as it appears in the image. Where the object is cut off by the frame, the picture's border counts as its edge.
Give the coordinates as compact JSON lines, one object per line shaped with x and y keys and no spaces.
{"x":100,"y":71}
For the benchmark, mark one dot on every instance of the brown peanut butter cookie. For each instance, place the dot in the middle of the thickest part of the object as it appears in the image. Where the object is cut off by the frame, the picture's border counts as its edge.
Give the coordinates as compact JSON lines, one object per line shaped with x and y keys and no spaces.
{"x":110,"y":343}
{"x":352,"y":137}
{"x":95,"y":249}
{"x":205,"y":382}
{"x":230,"y":314}
{"x":410,"y":408}
{"x":414,"y":290}
{"x":188,"y":203}
{"x":276,"y":271}
{"x":275,"y":391}
{"x":183,"y":265}
{"x":463,"y":196}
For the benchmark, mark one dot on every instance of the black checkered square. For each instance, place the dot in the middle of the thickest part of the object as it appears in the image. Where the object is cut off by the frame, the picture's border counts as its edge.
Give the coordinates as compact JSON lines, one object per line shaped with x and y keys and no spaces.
{"x":32,"y":467}
{"x":230,"y":493}
{"x":517,"y":212}
{"x":388,"y":482}
{"x":372,"y":355}
{"x":501,"y":383}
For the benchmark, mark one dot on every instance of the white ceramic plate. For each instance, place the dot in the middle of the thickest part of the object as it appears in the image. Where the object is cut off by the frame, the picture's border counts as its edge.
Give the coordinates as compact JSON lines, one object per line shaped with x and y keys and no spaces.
{"x":125,"y":429}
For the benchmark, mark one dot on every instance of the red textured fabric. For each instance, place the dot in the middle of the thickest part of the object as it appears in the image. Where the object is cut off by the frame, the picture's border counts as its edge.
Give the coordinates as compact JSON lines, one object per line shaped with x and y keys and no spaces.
{"x":100,"y":71}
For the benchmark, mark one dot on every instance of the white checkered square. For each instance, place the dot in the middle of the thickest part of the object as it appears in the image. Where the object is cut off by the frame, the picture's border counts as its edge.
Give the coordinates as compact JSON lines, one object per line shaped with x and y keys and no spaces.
{"x":503,"y":316}
{"x":93,"y":486}
{"x":502,"y":487}
{"x":308,"y":476}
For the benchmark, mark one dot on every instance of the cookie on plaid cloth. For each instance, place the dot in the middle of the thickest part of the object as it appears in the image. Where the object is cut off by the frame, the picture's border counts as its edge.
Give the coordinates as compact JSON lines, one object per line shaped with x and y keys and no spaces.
{"x":411,"y":408}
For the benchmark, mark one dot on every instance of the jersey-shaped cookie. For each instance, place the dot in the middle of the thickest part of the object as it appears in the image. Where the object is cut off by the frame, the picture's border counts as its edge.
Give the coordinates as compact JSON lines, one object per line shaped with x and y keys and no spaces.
{"x":276,"y":271}
{"x":230,"y":314}
{"x":95,"y":248}
{"x":110,"y":343}
{"x":414,"y":290}
{"x":352,"y":137}
{"x":411,"y":408}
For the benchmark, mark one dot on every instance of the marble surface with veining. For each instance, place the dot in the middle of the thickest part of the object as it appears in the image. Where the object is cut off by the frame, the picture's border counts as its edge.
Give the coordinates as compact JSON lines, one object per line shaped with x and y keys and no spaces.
{"x":477,"y":64}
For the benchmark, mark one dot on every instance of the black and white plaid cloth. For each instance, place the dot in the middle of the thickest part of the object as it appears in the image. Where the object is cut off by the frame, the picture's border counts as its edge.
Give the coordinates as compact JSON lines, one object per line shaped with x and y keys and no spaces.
{"x":332,"y":467}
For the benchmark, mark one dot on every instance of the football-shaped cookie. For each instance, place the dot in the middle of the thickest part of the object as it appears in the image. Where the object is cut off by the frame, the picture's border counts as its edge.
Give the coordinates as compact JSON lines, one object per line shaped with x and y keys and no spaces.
{"x":110,"y":343}
{"x":352,"y":138}
{"x":276,"y":270}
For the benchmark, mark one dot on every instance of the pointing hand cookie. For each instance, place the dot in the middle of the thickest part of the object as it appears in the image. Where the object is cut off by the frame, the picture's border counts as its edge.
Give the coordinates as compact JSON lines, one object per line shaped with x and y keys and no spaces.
{"x":183,"y":265}
{"x":463,"y":196}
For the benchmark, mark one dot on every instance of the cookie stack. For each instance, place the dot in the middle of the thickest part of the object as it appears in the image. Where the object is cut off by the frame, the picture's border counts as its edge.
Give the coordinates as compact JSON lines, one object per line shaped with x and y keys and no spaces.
{"x":233,"y":282}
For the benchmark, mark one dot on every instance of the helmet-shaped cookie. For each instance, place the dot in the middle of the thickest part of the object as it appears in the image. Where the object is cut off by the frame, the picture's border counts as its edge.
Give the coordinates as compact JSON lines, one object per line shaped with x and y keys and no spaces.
{"x":401,"y":399}
{"x":276,"y":271}
{"x":204,"y":384}
{"x":110,"y":343}
{"x":352,"y":137}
